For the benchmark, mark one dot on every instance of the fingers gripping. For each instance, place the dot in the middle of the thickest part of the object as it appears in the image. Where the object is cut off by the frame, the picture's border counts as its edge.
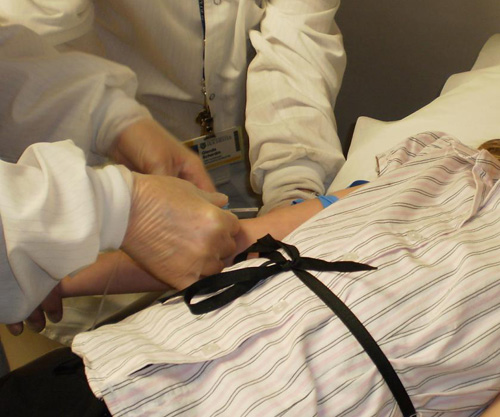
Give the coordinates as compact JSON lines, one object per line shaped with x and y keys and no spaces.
{"x":175,"y":230}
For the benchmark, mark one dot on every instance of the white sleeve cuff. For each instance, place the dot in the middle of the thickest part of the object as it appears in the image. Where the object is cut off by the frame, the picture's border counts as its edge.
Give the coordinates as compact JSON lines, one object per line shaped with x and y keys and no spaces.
{"x":286,"y":184}
{"x":118,"y":111}
{"x":112,"y":187}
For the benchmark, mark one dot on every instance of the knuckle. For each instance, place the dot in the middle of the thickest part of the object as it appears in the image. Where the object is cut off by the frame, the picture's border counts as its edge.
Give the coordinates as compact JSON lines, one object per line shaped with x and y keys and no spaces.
{"x":212,"y":219}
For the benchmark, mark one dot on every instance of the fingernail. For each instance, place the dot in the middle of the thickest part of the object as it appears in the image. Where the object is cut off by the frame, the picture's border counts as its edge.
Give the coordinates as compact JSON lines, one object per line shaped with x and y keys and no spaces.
{"x":35,"y":327}
{"x":54,"y":317}
{"x":16,"y":329}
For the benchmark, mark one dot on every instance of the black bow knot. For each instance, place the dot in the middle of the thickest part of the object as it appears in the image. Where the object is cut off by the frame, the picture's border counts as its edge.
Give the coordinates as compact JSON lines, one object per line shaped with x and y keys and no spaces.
{"x":228,"y":286}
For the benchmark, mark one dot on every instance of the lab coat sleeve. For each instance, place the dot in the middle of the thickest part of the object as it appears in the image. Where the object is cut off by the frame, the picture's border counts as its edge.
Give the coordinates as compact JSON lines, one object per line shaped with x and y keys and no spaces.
{"x":56,"y":214}
{"x":49,"y":96}
{"x":292,"y":86}
{"x":58,"y":21}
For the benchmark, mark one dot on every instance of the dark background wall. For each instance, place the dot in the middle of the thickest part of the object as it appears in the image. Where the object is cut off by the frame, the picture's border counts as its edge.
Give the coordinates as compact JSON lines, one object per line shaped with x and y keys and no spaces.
{"x":400,"y":53}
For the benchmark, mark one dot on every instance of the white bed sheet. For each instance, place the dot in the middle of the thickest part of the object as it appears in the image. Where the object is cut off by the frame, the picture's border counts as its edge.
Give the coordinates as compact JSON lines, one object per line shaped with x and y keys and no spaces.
{"x":468,"y":108}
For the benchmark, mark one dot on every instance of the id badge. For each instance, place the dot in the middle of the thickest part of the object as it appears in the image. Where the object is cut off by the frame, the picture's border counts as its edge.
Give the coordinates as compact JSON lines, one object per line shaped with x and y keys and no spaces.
{"x":219,"y":149}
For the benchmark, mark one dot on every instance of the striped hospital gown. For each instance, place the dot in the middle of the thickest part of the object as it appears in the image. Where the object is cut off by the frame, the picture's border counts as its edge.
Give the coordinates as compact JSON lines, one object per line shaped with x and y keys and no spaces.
{"x":430,"y":224}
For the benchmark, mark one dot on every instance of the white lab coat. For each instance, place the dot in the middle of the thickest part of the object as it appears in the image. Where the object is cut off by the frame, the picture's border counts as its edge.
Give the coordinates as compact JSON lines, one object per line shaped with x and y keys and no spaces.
{"x":289,"y":90}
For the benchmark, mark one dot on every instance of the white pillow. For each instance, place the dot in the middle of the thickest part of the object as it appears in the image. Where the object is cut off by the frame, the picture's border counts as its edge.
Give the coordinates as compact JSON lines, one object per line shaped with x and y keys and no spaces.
{"x":468,"y":108}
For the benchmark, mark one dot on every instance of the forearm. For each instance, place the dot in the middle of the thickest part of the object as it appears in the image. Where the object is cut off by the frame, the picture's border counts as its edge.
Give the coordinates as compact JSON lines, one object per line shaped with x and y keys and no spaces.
{"x":282,"y":221}
{"x":112,"y":273}
{"x":278,"y":223}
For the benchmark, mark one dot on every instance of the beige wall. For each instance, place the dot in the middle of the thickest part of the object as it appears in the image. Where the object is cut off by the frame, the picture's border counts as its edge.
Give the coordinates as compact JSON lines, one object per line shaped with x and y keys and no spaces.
{"x":400,"y":53}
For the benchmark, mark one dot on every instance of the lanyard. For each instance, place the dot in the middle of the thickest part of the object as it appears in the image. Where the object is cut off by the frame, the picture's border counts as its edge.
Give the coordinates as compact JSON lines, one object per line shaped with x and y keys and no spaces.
{"x":204,"y":118}
{"x":201,"y":3}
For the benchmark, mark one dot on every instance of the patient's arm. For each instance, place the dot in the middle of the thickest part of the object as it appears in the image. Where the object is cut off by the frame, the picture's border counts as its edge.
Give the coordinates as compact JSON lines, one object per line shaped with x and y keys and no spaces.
{"x":113,"y":273}
{"x":116,"y":273}
{"x":278,"y":223}
{"x":115,"y":269}
{"x":125,"y":276}
{"x":281,"y":221}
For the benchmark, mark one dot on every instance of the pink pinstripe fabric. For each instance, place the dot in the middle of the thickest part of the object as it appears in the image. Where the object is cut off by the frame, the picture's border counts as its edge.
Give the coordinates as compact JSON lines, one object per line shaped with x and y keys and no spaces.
{"x":431,"y":224}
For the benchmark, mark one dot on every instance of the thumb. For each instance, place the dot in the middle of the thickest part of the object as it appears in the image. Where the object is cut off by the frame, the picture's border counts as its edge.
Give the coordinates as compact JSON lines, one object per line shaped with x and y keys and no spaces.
{"x":215,"y":198}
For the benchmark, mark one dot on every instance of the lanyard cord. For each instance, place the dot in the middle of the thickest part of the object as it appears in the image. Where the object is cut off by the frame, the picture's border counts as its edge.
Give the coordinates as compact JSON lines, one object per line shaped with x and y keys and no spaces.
{"x":228,"y":286}
{"x":204,"y":118}
{"x":201,"y":3}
